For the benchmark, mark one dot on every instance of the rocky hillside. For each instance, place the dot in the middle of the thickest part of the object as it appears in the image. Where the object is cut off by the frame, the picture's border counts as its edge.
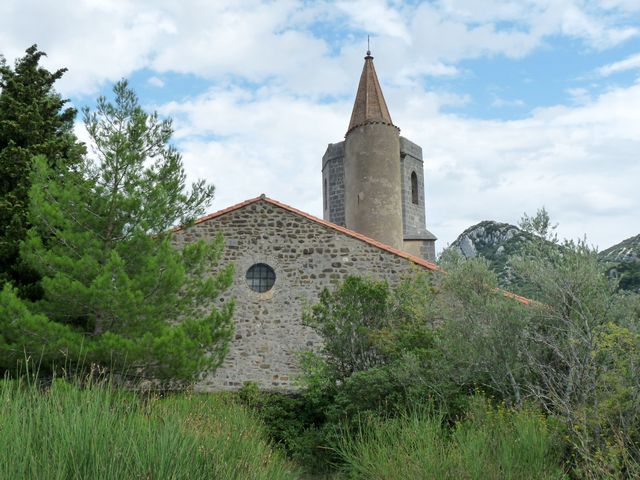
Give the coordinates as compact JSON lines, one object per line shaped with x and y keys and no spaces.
{"x":624,"y":252}
{"x":623,"y":260}
{"x":496,"y":242}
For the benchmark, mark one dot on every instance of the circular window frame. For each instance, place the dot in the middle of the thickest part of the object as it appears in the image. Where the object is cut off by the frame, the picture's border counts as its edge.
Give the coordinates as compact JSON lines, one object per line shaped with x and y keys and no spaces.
{"x":264,"y":279}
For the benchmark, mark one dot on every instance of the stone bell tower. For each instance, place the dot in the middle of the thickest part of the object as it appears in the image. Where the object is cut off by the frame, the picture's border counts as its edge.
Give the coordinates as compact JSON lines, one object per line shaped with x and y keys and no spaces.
{"x":373,"y":181}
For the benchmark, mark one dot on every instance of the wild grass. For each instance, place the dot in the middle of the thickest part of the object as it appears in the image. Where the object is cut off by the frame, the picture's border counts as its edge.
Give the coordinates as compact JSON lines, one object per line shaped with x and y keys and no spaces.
{"x":97,"y":431}
{"x":488,"y":444}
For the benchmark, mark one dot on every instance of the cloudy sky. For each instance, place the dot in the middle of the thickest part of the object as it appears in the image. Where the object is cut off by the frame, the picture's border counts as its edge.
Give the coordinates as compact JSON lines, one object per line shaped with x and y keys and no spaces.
{"x":516,"y":104}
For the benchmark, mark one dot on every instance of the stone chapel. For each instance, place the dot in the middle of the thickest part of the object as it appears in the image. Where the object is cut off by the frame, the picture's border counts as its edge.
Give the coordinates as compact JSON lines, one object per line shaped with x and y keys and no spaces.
{"x":374,"y":225}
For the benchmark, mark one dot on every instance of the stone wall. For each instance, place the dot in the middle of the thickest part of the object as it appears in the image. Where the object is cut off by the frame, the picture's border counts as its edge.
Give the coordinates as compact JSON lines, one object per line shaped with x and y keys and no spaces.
{"x":417,"y":239}
{"x":307,"y":256}
{"x":413,"y":215}
{"x":372,"y":182}
{"x":428,"y":250}
{"x":421,"y":248}
{"x":333,"y":178}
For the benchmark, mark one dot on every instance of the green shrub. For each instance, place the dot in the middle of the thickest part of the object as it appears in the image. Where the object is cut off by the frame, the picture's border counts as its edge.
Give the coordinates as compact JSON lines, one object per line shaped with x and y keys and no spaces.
{"x":381,"y":351}
{"x":296,"y":423}
{"x":349,"y":320}
{"x":489,"y":444}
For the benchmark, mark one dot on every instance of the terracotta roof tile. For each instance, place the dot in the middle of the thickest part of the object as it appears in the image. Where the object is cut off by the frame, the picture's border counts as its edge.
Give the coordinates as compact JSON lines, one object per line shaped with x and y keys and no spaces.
{"x":346,"y":231}
{"x":412,"y":258}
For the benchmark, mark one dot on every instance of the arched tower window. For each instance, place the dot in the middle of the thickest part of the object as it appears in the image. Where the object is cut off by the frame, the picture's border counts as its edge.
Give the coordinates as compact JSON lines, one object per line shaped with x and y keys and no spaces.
{"x":326,"y":200}
{"x":414,"y":188}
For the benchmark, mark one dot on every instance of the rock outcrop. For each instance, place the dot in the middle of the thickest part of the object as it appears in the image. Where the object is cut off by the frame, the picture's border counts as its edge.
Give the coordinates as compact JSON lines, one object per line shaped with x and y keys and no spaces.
{"x":623,"y":262}
{"x":496,"y":242}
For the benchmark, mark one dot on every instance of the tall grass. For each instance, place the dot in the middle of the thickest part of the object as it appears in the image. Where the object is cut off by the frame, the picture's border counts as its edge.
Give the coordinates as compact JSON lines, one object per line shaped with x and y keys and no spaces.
{"x":488,"y":444}
{"x":96,"y":432}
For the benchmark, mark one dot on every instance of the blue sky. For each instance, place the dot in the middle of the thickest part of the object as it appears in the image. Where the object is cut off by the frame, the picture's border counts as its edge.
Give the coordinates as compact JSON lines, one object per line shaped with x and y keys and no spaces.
{"x":516,"y":104}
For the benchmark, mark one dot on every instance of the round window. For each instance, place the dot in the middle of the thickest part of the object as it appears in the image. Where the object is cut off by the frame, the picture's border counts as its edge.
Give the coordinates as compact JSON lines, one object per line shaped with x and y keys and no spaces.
{"x":260,"y":277}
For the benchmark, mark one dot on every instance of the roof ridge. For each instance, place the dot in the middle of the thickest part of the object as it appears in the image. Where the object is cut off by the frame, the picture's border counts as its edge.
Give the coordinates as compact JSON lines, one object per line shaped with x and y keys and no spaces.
{"x":417,"y":260}
{"x":351,"y":233}
{"x":359,"y":236}
{"x":218,"y":213}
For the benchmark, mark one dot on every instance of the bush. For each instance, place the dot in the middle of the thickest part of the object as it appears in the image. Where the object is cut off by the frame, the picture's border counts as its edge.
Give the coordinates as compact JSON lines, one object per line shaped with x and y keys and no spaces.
{"x":433,"y":340}
{"x":381,"y":348}
{"x":296,"y":423}
{"x":348,"y":320}
{"x":489,"y":444}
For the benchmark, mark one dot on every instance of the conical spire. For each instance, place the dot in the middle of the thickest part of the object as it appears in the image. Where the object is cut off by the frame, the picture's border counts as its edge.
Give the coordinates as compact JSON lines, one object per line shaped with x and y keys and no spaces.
{"x":369,"y":105}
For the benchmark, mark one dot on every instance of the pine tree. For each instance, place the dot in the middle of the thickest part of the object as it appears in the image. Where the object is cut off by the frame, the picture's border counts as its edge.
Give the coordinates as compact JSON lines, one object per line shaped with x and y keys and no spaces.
{"x":33,"y":121}
{"x":117,"y":292}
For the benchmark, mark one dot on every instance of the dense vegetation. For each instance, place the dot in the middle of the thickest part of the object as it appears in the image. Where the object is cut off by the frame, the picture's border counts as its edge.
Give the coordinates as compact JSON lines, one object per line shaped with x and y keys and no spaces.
{"x":34,"y":120}
{"x":487,"y":444}
{"x":562,"y":369}
{"x":93,"y":233}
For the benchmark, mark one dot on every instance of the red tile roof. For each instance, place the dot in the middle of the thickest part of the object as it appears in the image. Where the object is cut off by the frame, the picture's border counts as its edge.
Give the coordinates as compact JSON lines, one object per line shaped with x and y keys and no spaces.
{"x":412,"y":258}
{"x":346,"y":231}
{"x":515,"y":296}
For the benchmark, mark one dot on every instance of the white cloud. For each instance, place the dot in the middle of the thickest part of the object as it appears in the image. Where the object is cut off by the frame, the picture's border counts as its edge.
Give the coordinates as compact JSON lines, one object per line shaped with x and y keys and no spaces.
{"x":624,"y":5}
{"x":101,"y":41}
{"x":156,"y":82}
{"x":248,"y":143}
{"x":579,"y":95}
{"x":594,"y":28}
{"x":415,"y":71}
{"x":97,"y":41}
{"x":629,"y":63}
{"x":581,"y":162}
{"x":376,"y":16}
{"x":505,"y":103}
{"x":284,"y":76}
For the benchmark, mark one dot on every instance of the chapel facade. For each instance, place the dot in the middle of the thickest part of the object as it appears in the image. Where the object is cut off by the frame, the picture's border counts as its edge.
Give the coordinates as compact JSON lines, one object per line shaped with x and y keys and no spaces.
{"x":374,"y":225}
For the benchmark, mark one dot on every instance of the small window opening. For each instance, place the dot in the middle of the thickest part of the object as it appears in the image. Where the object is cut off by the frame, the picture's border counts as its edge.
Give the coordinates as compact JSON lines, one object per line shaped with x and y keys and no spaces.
{"x":260,"y":277}
{"x":414,"y":188}
{"x":326,"y":200}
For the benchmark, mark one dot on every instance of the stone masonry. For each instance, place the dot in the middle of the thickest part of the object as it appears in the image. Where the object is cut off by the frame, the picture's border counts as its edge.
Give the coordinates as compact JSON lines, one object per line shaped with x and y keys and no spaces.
{"x":373,"y":181}
{"x":417,"y":239}
{"x":307,"y":255}
{"x":413,"y":215}
{"x":333,"y":183}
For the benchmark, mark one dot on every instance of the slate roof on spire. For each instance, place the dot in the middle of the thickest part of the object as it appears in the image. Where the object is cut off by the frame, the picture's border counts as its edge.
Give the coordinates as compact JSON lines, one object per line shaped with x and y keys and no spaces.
{"x":369,"y":105}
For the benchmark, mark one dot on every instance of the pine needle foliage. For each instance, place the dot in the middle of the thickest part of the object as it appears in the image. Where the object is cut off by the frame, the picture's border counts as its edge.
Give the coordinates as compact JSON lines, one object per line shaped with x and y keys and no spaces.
{"x":34,"y":120}
{"x":117,"y":291}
